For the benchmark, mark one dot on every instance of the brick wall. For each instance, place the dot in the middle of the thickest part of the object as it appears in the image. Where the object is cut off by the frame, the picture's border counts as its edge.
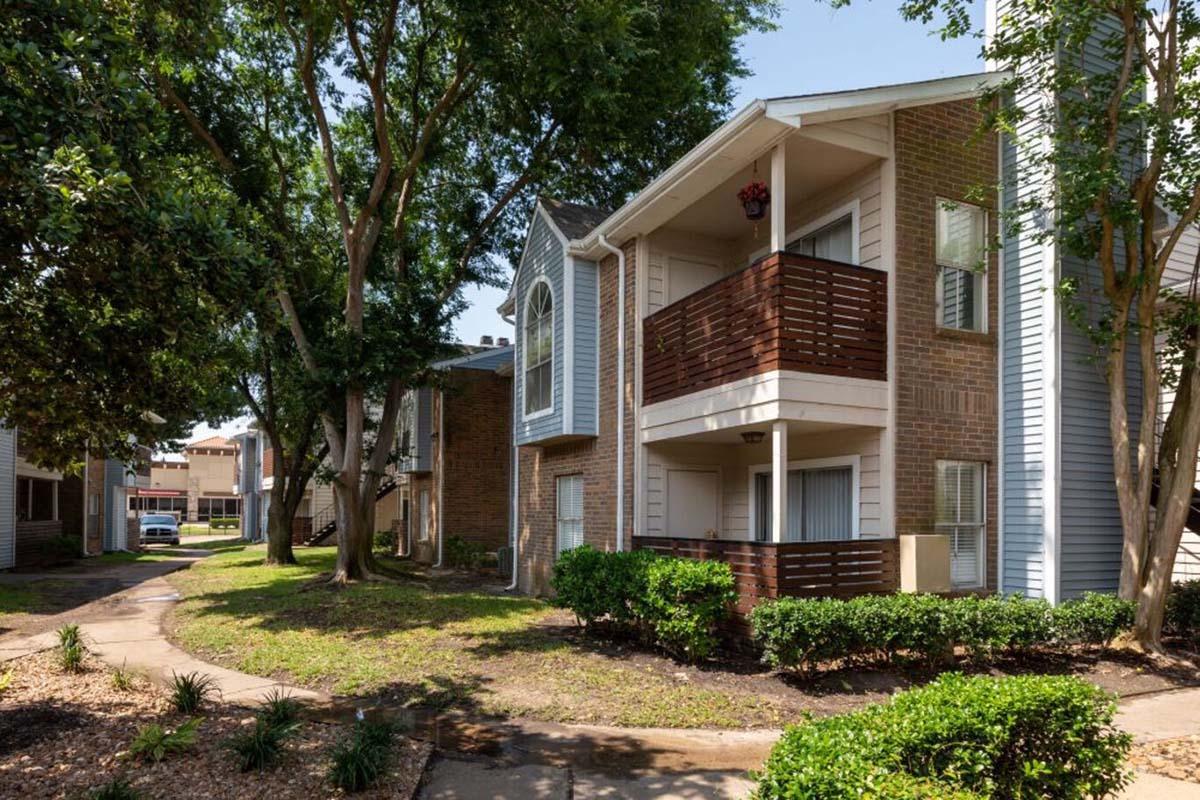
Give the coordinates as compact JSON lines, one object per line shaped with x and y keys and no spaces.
{"x":946,"y":380}
{"x":478,"y":454}
{"x":594,"y":459}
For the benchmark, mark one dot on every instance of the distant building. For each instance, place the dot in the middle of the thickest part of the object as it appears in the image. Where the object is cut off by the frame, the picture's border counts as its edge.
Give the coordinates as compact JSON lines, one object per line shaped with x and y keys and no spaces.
{"x":198,"y":488}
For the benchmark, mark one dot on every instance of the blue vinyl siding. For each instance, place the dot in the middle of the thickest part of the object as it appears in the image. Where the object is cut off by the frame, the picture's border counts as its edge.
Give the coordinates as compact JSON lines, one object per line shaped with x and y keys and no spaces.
{"x":1091,"y":533}
{"x":114,"y":476}
{"x":1023,"y":394}
{"x":8,"y":488}
{"x":545,"y":258}
{"x":586,"y":345}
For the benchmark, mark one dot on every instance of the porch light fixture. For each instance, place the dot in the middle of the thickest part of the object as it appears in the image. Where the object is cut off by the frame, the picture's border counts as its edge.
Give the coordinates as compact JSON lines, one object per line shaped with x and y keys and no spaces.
{"x":752,"y":437}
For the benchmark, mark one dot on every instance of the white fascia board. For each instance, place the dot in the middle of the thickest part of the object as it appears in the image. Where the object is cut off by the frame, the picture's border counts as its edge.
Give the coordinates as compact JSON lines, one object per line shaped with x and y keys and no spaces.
{"x":509,"y":305}
{"x":812,"y":109}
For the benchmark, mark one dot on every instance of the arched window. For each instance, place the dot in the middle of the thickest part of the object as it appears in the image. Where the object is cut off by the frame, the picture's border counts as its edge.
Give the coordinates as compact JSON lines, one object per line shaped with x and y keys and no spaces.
{"x":539,"y":349}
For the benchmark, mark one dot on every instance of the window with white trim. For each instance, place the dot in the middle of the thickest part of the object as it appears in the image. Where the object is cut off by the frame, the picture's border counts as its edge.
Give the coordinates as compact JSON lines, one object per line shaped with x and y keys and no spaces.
{"x":961,"y":265}
{"x":960,"y":514}
{"x":834,"y":241}
{"x":570,"y":512}
{"x":539,"y":349}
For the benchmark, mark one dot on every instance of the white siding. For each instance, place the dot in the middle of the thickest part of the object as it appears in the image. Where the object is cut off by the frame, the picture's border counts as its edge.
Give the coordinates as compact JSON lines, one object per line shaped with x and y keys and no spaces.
{"x":8,"y":511}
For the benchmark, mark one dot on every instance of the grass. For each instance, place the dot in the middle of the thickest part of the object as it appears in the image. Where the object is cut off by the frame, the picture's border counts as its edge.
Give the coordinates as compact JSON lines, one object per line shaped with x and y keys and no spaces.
{"x":20,"y":599}
{"x":164,"y":554}
{"x":421,"y":646}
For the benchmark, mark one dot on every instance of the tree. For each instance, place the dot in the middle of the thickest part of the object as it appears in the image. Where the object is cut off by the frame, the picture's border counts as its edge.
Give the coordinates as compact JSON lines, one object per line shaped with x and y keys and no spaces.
{"x":1115,"y":147}
{"x":435,"y":123}
{"x":118,"y":254}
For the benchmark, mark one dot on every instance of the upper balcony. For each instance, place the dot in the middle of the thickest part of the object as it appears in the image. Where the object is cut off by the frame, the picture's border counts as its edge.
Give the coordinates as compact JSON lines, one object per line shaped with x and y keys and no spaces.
{"x":784,"y":312}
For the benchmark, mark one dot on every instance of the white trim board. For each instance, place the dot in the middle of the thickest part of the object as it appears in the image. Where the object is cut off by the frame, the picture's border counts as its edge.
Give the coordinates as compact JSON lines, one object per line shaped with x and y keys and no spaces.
{"x":554,"y":310}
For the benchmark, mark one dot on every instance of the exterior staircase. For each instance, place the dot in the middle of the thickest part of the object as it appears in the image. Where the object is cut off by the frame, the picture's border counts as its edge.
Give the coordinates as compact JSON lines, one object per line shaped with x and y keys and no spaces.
{"x":324,"y":522}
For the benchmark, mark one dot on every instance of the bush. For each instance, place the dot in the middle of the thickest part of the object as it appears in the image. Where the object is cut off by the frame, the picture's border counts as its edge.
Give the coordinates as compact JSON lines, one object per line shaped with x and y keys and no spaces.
{"x":958,"y":738}
{"x":683,"y":602}
{"x":362,"y":757}
{"x":279,"y":708}
{"x":798,"y":633}
{"x":259,"y":747}
{"x":155,"y":742}
{"x":596,"y":585}
{"x":385,"y":541}
{"x":58,"y":549}
{"x":463,"y":554}
{"x":216,"y":523}
{"x":1093,"y":619}
{"x":190,"y":691}
{"x":1183,"y":610}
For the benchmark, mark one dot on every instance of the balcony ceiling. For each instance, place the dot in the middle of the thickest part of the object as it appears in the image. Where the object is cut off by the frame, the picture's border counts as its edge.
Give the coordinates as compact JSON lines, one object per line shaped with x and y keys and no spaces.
{"x":813,"y":167}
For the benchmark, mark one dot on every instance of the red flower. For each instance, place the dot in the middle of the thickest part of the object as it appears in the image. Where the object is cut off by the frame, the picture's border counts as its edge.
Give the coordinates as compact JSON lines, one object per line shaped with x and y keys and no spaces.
{"x":755,"y":191}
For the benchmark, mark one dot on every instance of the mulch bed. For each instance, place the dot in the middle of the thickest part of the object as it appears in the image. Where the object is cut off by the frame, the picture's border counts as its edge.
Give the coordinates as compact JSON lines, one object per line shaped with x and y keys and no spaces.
{"x":63,"y":734}
{"x":1172,"y":758}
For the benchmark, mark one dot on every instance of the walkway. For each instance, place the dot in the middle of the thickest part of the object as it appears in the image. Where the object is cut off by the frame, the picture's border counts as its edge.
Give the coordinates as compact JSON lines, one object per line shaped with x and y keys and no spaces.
{"x":516,"y":759}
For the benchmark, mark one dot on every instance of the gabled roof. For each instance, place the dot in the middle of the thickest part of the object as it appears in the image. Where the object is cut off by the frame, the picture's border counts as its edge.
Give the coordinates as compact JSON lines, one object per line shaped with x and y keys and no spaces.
{"x":211,"y":441}
{"x":574,"y":220}
{"x":490,"y":359}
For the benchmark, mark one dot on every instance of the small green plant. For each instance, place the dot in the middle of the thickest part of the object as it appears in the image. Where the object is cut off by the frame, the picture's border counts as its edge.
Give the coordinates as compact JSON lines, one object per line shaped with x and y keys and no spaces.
{"x":6,"y":681}
{"x":279,"y":708}
{"x":1183,"y":611}
{"x":259,"y":747}
{"x":58,"y":549}
{"x":70,"y":657}
{"x":463,"y":554}
{"x":190,"y":691}
{"x":361,"y":758}
{"x":116,"y":789}
{"x":385,"y":541}
{"x":68,"y":635}
{"x":122,"y":678}
{"x":154,"y":742}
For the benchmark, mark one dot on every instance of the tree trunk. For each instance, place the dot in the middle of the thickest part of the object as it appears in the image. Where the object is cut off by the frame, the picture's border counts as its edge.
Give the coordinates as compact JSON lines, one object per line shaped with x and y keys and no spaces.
{"x":279,"y":525}
{"x":354,"y":559}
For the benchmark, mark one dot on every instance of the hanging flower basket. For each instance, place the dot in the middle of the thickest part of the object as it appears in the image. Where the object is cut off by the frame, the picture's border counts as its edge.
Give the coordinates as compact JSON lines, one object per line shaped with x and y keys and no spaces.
{"x":755,"y":197}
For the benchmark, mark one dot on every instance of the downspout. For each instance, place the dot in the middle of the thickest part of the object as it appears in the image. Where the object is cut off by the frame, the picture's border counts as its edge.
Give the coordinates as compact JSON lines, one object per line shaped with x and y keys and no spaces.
{"x":515,"y":488}
{"x":441,"y":474}
{"x":620,"y":254}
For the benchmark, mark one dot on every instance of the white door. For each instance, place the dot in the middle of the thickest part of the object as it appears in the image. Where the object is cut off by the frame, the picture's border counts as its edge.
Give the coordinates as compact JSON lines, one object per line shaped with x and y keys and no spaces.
{"x":692,"y":502}
{"x":685,"y":277}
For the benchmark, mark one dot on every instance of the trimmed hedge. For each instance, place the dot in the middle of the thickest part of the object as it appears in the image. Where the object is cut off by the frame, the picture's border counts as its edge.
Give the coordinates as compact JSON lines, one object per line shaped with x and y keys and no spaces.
{"x":959,"y":738}
{"x":674,"y":602}
{"x":798,"y":633}
{"x":1182,"y":617}
{"x":223,"y":522}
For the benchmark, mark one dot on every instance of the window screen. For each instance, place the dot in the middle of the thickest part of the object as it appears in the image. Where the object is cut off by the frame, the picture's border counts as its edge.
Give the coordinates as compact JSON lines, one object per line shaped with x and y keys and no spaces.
{"x":961,"y":251}
{"x":570,"y":512}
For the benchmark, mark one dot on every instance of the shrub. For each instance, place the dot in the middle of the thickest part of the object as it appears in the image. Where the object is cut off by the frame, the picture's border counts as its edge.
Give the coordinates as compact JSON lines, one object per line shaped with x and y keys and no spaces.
{"x":70,"y":648}
{"x":1093,"y":619}
{"x":58,"y":549}
{"x":463,"y":554}
{"x":116,"y":789}
{"x":279,"y":708}
{"x":259,"y":747}
{"x":385,"y":541}
{"x":68,"y":635}
{"x":190,"y":691}
{"x":154,"y":742}
{"x":216,"y":523}
{"x":362,"y":757}
{"x":800,"y":633}
{"x":684,"y":600}
{"x":1182,"y":617}
{"x":596,"y":585}
{"x":960,"y":738}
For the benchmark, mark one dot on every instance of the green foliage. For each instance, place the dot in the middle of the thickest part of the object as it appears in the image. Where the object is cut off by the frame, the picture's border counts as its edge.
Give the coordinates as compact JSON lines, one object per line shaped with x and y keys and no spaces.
{"x":385,"y":541}
{"x":116,"y":789}
{"x":217,"y":523}
{"x":1093,"y":619}
{"x":279,"y":708}
{"x":675,"y":602}
{"x":154,"y":742}
{"x":684,"y":600}
{"x":70,"y":648}
{"x":1183,"y":610}
{"x":122,"y":679}
{"x":261,"y":746}
{"x":362,"y":757}
{"x":800,"y":633}
{"x":190,"y":691}
{"x":6,"y":681}
{"x":596,"y":585}
{"x":962,"y":738}
{"x":463,"y":554}
{"x":58,"y":549}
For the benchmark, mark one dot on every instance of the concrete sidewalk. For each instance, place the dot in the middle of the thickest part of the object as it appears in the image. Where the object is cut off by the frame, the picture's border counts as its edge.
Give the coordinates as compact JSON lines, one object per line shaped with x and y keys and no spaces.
{"x":1170,"y":715}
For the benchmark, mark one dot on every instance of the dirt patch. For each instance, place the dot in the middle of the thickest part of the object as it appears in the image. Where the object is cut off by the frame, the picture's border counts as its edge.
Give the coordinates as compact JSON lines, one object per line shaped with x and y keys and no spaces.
{"x":1172,"y":758}
{"x":92,"y":723}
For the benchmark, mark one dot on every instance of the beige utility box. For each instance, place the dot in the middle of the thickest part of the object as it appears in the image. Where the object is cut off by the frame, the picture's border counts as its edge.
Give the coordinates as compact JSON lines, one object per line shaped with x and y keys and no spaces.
{"x":925,"y":563}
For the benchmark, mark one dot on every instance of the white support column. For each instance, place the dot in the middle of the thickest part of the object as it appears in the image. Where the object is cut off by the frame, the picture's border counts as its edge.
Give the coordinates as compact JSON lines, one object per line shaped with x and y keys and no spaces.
{"x":778,"y":205}
{"x":779,"y":481}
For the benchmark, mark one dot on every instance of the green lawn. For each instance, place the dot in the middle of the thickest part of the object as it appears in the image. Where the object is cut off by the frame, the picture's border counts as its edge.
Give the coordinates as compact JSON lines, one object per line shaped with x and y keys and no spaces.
{"x":19,"y":599}
{"x":423,"y":646}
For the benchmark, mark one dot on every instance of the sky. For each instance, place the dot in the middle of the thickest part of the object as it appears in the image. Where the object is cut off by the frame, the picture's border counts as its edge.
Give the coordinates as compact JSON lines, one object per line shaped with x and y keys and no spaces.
{"x":813,"y":49}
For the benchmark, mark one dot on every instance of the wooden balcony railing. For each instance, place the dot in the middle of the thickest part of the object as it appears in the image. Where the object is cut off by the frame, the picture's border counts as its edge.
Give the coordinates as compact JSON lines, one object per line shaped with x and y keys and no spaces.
{"x":785,"y":312}
{"x":765,"y":570}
